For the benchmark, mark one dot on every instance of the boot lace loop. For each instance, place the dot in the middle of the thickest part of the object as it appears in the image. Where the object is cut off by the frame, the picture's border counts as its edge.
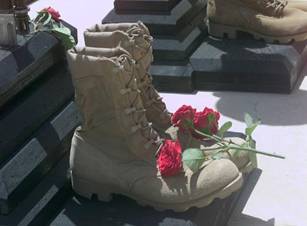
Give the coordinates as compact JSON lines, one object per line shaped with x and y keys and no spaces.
{"x":276,"y":5}
{"x":136,"y":31}
{"x":150,"y":91}
{"x":139,"y":117}
{"x":146,"y":82}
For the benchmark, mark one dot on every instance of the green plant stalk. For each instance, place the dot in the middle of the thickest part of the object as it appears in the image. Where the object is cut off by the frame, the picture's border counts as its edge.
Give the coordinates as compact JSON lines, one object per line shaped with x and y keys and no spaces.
{"x":214,"y":149}
{"x":258,"y":152}
{"x":218,"y":139}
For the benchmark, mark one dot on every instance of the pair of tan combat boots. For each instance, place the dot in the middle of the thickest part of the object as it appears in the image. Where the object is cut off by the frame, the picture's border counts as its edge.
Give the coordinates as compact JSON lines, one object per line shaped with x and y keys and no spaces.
{"x":271,"y":20}
{"x":124,"y":118}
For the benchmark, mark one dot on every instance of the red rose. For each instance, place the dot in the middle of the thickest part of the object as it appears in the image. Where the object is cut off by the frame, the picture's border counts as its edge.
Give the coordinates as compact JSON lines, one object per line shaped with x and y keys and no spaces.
{"x":183,"y":117}
{"x":206,"y":122}
{"x":169,"y":158}
{"x":55,"y":14}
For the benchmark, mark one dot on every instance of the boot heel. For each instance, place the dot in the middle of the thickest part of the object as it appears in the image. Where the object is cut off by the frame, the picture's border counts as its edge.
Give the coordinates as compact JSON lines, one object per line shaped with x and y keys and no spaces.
{"x":221,"y":31}
{"x":87,"y":189}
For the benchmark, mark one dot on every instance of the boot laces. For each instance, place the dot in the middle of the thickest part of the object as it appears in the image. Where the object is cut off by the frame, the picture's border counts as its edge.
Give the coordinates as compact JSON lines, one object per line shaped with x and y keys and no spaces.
{"x":146,"y":81}
{"x":276,"y":5}
{"x":136,"y":32}
{"x":138,"y":114}
{"x":151,"y":93}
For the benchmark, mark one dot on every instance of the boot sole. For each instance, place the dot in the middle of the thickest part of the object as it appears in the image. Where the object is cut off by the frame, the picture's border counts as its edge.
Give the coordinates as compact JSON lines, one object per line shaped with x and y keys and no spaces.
{"x":231,"y":32}
{"x":87,"y":188}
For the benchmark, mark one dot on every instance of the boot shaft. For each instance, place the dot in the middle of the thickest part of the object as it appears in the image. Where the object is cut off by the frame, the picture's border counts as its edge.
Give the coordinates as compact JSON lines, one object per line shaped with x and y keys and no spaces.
{"x":99,"y":75}
{"x":110,"y":102}
{"x":134,"y":38}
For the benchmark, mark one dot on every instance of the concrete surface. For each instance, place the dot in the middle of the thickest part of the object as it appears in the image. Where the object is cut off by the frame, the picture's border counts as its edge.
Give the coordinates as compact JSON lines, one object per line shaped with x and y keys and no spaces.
{"x":277,"y":193}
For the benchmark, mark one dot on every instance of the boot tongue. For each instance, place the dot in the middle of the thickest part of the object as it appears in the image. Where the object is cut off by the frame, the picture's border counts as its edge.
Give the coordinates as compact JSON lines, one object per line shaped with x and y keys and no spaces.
{"x":267,"y":7}
{"x":141,"y":42}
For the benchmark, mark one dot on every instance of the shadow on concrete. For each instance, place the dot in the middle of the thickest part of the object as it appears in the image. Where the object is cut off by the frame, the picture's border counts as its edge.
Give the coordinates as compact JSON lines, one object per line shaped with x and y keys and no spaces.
{"x":239,"y":218}
{"x":272,"y":109}
{"x":245,"y":220}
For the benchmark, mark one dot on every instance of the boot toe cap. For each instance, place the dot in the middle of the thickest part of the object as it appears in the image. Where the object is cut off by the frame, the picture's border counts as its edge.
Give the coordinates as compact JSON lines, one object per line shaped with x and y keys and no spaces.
{"x":182,"y":188}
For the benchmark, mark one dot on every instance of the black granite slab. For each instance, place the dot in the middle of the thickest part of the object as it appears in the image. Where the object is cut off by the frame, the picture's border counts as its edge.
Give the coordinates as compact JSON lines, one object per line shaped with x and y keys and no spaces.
{"x":32,"y":107}
{"x":247,"y":65}
{"x":20,"y":174}
{"x":164,"y":25}
{"x":144,"y":6}
{"x":172,"y":78}
{"x":172,"y":50}
{"x":42,"y":203}
{"x":24,"y":63}
{"x":123,"y":211}
{"x":180,"y":46}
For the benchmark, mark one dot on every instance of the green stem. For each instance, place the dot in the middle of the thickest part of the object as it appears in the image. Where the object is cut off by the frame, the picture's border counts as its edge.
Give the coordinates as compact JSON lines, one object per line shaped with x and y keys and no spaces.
{"x":220,"y":140}
{"x":258,"y":152}
{"x":215,"y":138}
{"x":213,"y":149}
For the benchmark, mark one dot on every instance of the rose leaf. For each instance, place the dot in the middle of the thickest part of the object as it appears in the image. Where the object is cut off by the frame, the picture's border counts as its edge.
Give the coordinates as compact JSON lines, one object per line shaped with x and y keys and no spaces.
{"x":193,"y":158}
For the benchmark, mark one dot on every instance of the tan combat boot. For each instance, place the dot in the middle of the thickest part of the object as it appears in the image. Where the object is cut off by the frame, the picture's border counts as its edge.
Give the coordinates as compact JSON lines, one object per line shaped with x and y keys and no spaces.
{"x":245,"y":161}
{"x":271,"y":20}
{"x":114,"y":149}
{"x":299,"y":4}
{"x":135,"y":38}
